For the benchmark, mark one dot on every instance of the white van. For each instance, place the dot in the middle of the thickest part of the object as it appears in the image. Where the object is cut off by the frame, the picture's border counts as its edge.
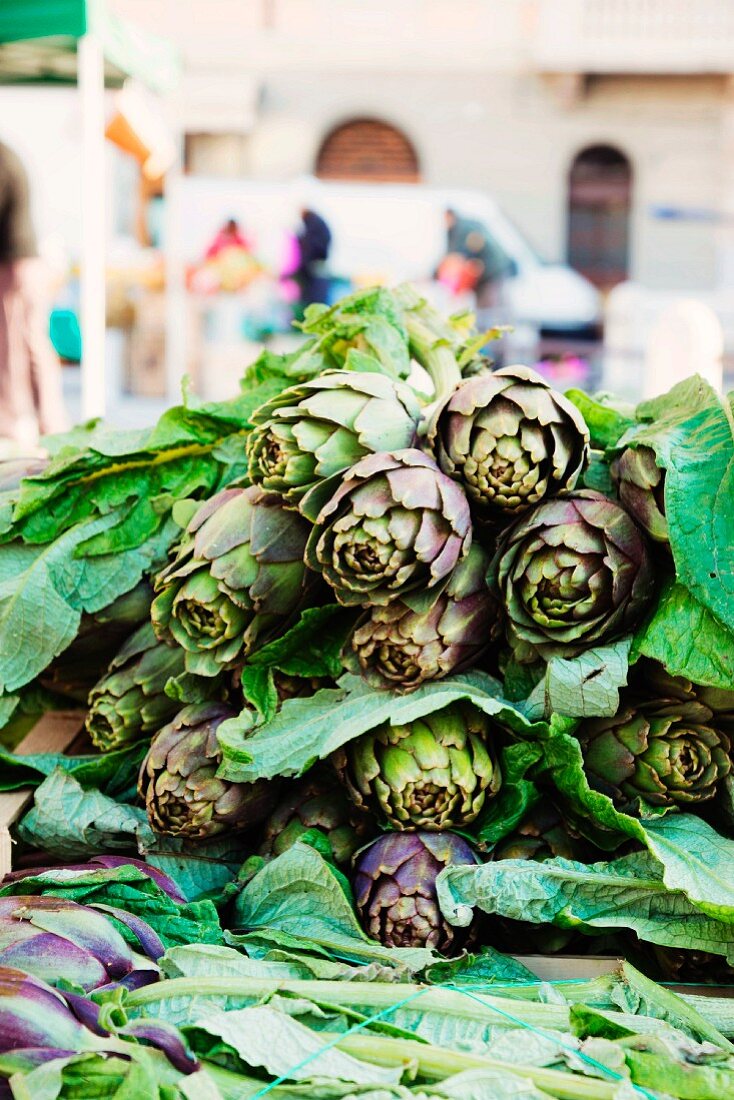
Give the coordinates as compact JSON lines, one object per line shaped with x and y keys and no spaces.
{"x":385,"y":233}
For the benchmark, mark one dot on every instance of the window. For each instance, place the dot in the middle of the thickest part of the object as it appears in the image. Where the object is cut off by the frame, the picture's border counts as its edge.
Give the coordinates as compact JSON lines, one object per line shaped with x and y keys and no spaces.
{"x":367,"y":149}
{"x":599,"y":197}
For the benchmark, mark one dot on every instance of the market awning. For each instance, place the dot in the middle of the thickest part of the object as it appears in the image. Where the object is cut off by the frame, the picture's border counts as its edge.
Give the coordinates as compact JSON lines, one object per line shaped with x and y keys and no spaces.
{"x":38,"y":44}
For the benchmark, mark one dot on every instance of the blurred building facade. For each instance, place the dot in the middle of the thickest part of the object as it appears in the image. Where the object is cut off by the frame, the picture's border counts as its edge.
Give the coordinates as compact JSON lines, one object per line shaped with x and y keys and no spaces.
{"x":605,"y":128}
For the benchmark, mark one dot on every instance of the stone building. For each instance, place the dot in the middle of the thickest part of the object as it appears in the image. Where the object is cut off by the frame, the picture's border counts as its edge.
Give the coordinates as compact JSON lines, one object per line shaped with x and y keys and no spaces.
{"x":605,"y":128}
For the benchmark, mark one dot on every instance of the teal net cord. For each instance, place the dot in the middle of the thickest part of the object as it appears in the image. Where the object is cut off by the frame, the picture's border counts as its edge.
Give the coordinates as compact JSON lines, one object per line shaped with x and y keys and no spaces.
{"x":471,"y":993}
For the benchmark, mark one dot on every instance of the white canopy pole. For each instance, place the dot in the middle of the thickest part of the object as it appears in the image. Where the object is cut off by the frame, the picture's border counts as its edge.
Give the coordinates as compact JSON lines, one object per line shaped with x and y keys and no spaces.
{"x":91,"y":90}
{"x":177,"y":329}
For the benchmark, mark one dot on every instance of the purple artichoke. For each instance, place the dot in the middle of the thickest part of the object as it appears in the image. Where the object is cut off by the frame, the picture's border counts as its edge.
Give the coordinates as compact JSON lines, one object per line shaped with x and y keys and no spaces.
{"x":317,"y":429}
{"x":53,"y":938}
{"x":395,"y":524}
{"x":395,"y":890}
{"x":395,"y":647}
{"x":34,"y":1016}
{"x":641,"y":485}
{"x":573,"y":572}
{"x":179,"y":783}
{"x":236,"y":578}
{"x":510,"y":440}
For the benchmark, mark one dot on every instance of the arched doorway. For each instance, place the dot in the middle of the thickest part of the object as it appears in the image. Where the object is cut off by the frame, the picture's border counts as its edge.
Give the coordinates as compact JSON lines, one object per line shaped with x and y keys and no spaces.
{"x":369,"y":150}
{"x":599,"y":199}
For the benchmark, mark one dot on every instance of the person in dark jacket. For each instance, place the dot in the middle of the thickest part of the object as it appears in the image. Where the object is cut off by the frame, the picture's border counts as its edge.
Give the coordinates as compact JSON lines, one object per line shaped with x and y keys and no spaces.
{"x":314,"y":243}
{"x":489,"y":263}
{"x":30,"y":374}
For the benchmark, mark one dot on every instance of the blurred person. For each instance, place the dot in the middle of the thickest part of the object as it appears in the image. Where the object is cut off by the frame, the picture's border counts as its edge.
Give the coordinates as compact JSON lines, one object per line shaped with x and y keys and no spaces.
{"x":30,"y":373}
{"x":314,"y":244}
{"x":229,"y":236}
{"x":474,"y":260}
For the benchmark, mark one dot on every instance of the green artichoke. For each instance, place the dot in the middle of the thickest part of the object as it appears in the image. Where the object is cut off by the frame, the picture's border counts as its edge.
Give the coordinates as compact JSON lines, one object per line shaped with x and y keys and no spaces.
{"x":573,"y":572}
{"x":668,"y":744}
{"x":641,"y":485}
{"x":179,"y":784}
{"x":395,"y":890}
{"x":434,"y":773}
{"x":395,"y":524}
{"x":396,"y":647}
{"x":318,"y":429}
{"x":130,"y":700}
{"x":315,"y":802}
{"x":236,"y":578}
{"x":510,"y":440}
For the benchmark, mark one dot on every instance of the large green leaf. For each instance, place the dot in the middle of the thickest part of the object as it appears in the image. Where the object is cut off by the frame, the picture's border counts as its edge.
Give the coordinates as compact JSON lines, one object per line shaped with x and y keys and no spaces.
{"x":114,"y":768}
{"x":516,"y":796}
{"x":266,"y":1038}
{"x":629,"y":892}
{"x":45,"y":589}
{"x":305,"y":730}
{"x":691,"y":430}
{"x":68,"y":822}
{"x":299,"y":893}
{"x":605,"y":423}
{"x":586,"y":686}
{"x":688,"y":639}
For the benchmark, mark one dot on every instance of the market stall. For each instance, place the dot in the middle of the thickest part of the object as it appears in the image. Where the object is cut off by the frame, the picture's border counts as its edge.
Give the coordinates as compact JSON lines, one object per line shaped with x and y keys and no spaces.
{"x":400,"y":777}
{"x":83,"y":42}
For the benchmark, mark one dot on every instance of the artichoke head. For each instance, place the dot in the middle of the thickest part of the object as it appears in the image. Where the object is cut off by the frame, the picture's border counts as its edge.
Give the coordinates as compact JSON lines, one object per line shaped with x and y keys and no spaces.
{"x":395,"y":524}
{"x":510,"y":440}
{"x":179,"y":783}
{"x":572,"y":572}
{"x":237,"y":577}
{"x":130,"y":701}
{"x":394,"y":646}
{"x":434,"y":773}
{"x":395,"y":890}
{"x":316,"y":802}
{"x":317,"y":429}
{"x":667,"y":745}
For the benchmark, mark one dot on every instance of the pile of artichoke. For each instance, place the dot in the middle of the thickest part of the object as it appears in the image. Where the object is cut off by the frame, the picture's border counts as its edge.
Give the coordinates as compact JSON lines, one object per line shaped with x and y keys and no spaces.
{"x":443,"y":535}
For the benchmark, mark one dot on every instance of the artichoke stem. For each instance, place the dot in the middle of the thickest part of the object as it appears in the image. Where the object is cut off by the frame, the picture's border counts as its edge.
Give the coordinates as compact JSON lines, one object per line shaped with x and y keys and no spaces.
{"x":434,"y":354}
{"x":438,"y":1063}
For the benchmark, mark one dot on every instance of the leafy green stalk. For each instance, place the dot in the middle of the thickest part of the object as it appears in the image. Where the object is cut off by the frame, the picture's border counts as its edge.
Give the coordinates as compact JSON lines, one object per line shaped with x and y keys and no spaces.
{"x":375,"y":996}
{"x":438,"y":1063}
{"x":430,"y":342}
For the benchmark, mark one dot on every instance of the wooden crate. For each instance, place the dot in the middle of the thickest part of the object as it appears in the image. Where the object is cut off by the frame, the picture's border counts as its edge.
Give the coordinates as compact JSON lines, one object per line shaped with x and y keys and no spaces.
{"x":54,"y":732}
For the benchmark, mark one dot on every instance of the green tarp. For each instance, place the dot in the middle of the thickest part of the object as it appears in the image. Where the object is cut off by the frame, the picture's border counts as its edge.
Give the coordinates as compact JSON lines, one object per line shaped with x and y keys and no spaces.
{"x":38,"y":40}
